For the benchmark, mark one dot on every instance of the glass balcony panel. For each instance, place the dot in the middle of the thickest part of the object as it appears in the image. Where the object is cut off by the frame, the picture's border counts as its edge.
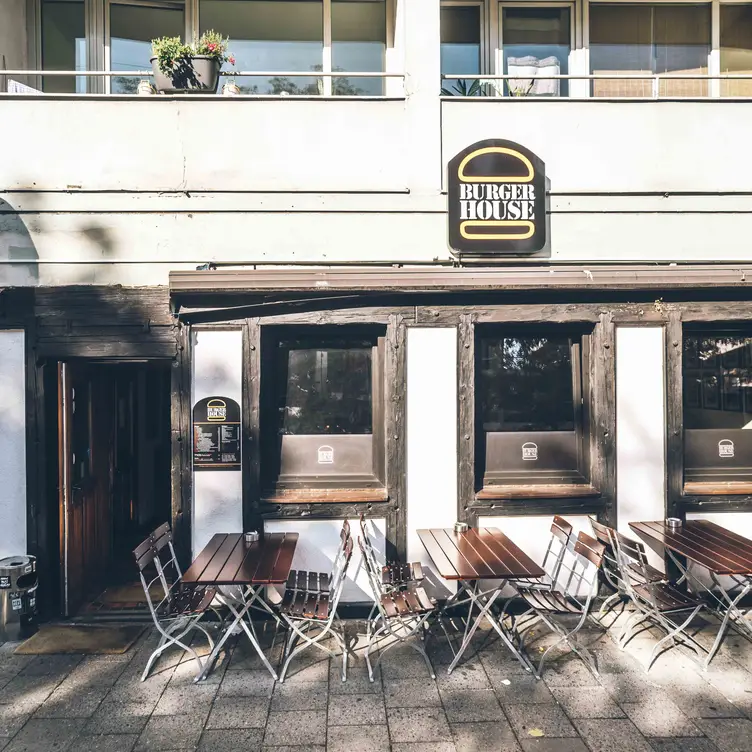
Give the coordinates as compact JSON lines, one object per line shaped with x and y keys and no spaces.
{"x":358,"y":44}
{"x":736,"y":48}
{"x":63,"y":44}
{"x":270,"y":35}
{"x":132,"y":27}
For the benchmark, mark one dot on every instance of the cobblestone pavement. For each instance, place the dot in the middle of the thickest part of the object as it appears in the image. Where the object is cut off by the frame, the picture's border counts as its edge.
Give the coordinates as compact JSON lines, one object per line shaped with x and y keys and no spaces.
{"x":87,"y":703}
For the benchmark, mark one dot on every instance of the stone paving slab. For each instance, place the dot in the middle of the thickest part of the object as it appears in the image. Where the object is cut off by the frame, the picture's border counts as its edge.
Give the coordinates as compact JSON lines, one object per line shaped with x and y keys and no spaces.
{"x":99,"y":704}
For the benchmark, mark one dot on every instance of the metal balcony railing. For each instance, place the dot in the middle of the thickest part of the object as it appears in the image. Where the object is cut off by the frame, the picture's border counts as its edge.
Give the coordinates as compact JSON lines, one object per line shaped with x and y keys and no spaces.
{"x":102,"y":78}
{"x":600,"y":85}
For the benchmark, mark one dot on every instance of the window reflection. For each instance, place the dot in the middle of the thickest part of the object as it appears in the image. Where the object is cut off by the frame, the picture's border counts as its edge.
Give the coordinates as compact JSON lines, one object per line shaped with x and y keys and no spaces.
{"x":270,"y":35}
{"x":324,"y":390}
{"x":63,"y":44}
{"x":132,"y":27}
{"x":358,"y":44}
{"x":460,"y":45}
{"x":736,"y":48}
{"x":526,"y":384}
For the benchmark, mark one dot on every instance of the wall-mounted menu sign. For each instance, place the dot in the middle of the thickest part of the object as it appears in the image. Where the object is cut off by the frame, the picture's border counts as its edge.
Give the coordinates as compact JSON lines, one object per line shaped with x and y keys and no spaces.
{"x":216,"y":434}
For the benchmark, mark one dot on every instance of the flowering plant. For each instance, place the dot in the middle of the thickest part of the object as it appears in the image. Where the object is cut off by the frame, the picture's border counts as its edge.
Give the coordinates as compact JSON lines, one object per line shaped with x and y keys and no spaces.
{"x":172,"y":53}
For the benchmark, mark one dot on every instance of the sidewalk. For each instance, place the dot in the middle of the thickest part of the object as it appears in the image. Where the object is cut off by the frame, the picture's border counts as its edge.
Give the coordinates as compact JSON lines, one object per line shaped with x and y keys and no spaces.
{"x":98,"y":703}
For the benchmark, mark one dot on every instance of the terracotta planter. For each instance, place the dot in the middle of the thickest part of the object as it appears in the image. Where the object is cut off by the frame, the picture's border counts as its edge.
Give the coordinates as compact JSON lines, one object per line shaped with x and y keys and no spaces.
{"x":194,"y":75}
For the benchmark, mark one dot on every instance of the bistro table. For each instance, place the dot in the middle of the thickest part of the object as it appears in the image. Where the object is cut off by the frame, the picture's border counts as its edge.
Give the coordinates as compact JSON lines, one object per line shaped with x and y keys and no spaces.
{"x":469,"y":558}
{"x":229,"y":560}
{"x":719,"y":550}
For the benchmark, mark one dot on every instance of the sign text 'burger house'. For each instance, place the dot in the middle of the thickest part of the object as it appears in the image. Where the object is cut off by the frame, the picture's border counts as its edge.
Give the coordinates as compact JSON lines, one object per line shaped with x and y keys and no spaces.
{"x":497,"y":200}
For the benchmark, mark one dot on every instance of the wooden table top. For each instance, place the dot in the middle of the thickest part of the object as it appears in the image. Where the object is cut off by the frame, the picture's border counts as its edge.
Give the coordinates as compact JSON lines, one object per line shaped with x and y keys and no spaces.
{"x":703,"y":542}
{"x":228,"y":560}
{"x":477,"y":554}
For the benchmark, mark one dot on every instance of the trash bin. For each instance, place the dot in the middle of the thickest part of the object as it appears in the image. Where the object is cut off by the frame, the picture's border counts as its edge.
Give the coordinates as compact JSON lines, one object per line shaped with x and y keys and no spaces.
{"x":18,"y":595}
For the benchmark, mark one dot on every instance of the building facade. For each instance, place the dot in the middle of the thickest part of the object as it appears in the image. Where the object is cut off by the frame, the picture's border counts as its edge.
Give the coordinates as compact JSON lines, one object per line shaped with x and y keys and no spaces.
{"x":583,"y":347}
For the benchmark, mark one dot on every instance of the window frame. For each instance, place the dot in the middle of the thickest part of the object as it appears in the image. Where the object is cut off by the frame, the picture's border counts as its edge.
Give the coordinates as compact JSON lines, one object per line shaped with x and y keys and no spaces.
{"x":499,"y":484}
{"x":371,"y":486}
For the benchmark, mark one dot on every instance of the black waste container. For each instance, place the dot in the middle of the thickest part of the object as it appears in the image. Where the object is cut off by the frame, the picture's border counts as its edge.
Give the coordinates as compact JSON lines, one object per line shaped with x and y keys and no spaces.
{"x":18,"y":596}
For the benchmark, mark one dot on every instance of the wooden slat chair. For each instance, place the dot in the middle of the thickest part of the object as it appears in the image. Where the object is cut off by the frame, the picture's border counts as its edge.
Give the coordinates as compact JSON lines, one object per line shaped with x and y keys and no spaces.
{"x":401,"y":614}
{"x":612,"y":571}
{"x":578,"y":573}
{"x":394,"y":575}
{"x":179,"y":609}
{"x":307,"y":611}
{"x":657,"y":602}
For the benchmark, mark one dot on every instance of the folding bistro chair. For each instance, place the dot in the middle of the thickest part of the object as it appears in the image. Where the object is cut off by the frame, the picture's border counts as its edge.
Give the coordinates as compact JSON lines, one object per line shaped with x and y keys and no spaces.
{"x":310,"y":605}
{"x":400,"y":613}
{"x":558,"y":544}
{"x":179,"y":610}
{"x":394,"y":575}
{"x":612,"y":571}
{"x":656,"y":602}
{"x":579,"y":573}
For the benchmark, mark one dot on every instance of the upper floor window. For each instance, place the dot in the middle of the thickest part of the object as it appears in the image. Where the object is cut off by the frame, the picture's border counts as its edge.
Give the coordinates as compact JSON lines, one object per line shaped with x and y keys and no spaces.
{"x":717,"y":395}
{"x":649,"y":39}
{"x":736,"y":48}
{"x":63,"y":35}
{"x":460,"y":44}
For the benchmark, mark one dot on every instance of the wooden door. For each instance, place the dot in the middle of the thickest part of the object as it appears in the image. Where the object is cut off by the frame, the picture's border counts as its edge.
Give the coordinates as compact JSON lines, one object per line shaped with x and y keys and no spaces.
{"x":85,"y":480}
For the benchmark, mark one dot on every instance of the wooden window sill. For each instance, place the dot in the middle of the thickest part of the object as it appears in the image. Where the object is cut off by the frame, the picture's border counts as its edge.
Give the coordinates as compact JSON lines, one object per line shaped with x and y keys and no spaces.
{"x":717,"y":489}
{"x":325,"y":495}
{"x":551,"y":491}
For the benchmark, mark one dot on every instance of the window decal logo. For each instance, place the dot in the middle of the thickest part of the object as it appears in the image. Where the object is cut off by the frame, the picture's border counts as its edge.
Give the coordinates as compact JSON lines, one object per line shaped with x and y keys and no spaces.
{"x":529,"y":451}
{"x":725,"y":448}
{"x":497,"y":200}
{"x":326,"y":455}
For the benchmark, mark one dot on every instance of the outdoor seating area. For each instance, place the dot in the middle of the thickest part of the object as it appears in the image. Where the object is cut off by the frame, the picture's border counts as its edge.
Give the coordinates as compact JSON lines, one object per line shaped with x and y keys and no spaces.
{"x":592,"y":649}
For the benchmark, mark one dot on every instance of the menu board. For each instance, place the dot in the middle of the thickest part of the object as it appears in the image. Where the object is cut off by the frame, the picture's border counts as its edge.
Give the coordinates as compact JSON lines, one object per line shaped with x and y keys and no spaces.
{"x":216,"y":434}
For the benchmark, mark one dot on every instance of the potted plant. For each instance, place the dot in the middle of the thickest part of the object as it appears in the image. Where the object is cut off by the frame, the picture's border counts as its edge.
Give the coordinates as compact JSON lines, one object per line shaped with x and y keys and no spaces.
{"x":181,"y":68}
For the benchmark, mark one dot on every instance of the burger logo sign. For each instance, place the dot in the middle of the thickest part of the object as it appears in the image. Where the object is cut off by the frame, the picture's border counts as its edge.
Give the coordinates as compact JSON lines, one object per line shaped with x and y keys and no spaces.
{"x":497,"y":200}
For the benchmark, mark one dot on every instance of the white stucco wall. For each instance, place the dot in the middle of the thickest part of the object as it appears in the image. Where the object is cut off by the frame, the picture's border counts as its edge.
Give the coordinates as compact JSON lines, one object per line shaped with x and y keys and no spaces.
{"x":217,"y":495}
{"x":640,"y":428}
{"x":12,"y":444}
{"x":317,"y":546}
{"x":431,"y":437}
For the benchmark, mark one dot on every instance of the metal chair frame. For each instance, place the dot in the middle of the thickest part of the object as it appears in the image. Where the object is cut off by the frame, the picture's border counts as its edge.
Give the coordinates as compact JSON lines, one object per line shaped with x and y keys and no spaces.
{"x":300,"y":626}
{"x":402,"y":626}
{"x":172,"y":629}
{"x":646,"y":596}
{"x":581,"y":569}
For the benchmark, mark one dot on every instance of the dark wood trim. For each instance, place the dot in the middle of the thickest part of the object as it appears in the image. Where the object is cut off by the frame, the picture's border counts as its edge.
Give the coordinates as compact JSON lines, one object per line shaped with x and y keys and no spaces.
{"x":674,"y":416}
{"x":466,"y":438}
{"x":35,"y":456}
{"x":336,"y":511}
{"x":732,"y":488}
{"x":537,"y":507}
{"x":550,"y":491}
{"x":182,"y":470}
{"x":602,"y":405}
{"x":251,"y":449}
{"x":323,"y":495}
{"x":395,"y":420}
{"x":709,"y":504}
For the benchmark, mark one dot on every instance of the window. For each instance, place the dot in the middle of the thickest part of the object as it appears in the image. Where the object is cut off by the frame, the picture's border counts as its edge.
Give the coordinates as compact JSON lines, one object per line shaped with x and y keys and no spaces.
{"x":291,"y":35}
{"x":717,"y":397}
{"x":63,"y":44}
{"x":736,"y":48}
{"x":531,"y":407}
{"x":649,"y":39}
{"x":132,"y":27}
{"x":324,"y":409}
{"x":536,"y":41}
{"x":460,"y":45}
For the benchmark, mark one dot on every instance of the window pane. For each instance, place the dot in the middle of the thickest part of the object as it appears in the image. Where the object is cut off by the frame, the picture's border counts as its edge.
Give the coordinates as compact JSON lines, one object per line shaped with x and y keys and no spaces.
{"x":132,"y":27}
{"x":460,"y":40}
{"x":270,"y":35}
{"x":536,"y":42}
{"x":326,"y":390}
{"x":736,"y":48}
{"x":358,"y":44}
{"x":63,"y":44}
{"x":717,"y":395}
{"x":646,"y":39}
{"x":526,"y":384}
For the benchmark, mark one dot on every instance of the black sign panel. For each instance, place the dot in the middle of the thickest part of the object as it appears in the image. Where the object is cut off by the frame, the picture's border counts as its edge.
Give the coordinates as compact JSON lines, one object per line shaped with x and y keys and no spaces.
{"x":497,"y":200}
{"x":216,"y":434}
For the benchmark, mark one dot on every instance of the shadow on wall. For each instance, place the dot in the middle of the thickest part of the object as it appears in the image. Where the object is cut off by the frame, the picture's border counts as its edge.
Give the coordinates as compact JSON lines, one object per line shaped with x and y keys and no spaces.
{"x":16,"y":245}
